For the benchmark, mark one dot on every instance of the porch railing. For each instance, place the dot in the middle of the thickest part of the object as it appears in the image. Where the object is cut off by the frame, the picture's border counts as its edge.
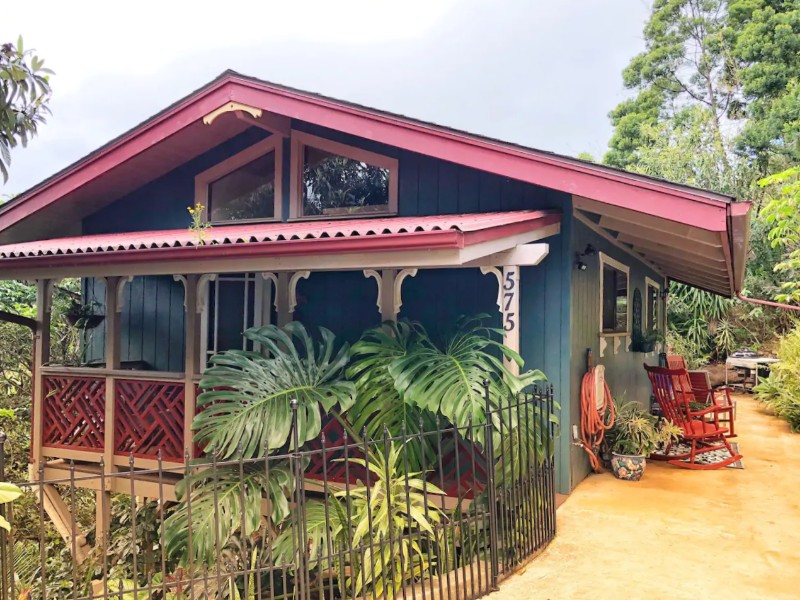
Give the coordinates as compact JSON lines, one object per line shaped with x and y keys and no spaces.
{"x":385,"y":532}
{"x":148,"y":415}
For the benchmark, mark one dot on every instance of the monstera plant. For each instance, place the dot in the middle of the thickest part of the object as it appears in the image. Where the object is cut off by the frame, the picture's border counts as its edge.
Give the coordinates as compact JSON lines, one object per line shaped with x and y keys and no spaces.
{"x":400,"y":380}
{"x":245,"y":405}
{"x":245,"y":412}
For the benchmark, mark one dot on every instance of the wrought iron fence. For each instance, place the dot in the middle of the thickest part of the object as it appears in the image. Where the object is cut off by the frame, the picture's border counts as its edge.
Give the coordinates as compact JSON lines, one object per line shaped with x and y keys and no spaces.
{"x":423,"y":513}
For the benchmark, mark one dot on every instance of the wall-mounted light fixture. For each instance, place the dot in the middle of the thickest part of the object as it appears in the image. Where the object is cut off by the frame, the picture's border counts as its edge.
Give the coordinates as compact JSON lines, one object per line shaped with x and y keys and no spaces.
{"x":588,"y":251}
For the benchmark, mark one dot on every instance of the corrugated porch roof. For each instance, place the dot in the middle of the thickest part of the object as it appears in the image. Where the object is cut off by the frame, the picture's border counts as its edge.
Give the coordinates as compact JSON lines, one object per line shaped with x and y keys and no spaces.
{"x":325,"y":238}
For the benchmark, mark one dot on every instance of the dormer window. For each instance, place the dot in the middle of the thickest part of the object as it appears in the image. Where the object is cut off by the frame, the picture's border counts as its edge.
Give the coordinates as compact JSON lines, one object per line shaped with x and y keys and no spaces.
{"x":244,"y":187}
{"x":331,"y":180}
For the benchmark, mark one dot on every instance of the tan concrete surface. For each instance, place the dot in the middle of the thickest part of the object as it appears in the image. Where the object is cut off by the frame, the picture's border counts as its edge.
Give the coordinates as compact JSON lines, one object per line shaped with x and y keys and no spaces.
{"x":678,"y":533}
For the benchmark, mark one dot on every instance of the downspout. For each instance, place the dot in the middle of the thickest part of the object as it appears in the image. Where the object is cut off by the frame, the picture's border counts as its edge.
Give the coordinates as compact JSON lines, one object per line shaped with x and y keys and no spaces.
{"x":737,"y":293}
{"x":767,"y":302}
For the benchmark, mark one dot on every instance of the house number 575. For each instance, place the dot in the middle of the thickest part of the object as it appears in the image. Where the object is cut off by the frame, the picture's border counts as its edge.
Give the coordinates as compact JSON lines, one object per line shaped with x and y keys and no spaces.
{"x":510,"y":302}
{"x":511,"y":313}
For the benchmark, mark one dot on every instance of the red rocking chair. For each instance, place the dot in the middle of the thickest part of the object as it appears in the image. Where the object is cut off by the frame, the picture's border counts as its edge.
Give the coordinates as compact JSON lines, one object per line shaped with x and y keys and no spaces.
{"x":700,"y":383}
{"x":701,"y":428}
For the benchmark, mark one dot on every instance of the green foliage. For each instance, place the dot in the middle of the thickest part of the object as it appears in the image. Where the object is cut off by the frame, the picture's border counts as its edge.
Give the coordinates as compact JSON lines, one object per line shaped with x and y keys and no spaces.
{"x":8,"y":493}
{"x":764,"y":37}
{"x":379,"y":403}
{"x":200,"y":224}
{"x":782,"y":214}
{"x":394,"y":507}
{"x":448,"y":379}
{"x":700,"y":318}
{"x":637,"y":432}
{"x":685,"y":61}
{"x":686,"y":148}
{"x":781,"y":391}
{"x":222,"y":502}
{"x":24,"y":95}
{"x":246,"y":403}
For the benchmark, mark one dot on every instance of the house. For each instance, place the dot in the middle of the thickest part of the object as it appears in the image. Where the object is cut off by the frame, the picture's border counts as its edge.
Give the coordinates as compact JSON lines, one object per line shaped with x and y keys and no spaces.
{"x":565,"y":254}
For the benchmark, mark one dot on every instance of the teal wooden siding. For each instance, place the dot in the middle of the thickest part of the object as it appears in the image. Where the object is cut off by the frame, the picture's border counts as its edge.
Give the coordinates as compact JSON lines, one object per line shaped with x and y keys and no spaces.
{"x":346,"y":302}
{"x":624,"y":372}
{"x":545,"y":292}
{"x":151,"y":323}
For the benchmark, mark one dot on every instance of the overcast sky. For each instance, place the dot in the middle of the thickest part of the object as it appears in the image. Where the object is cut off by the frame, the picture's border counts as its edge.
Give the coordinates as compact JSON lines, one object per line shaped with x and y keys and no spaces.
{"x":543,"y":73}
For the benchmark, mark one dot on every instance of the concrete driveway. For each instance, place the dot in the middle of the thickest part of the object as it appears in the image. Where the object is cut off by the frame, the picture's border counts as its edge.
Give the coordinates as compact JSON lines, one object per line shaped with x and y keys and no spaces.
{"x":677,"y":533}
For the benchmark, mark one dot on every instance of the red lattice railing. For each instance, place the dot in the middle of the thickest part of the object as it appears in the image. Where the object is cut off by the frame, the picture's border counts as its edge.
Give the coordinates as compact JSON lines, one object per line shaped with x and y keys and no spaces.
{"x":149,"y":417}
{"x":74,"y":413}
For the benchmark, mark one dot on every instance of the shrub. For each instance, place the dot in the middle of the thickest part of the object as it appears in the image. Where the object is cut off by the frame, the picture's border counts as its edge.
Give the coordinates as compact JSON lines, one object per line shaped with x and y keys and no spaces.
{"x":691,"y":352}
{"x":781,"y":391}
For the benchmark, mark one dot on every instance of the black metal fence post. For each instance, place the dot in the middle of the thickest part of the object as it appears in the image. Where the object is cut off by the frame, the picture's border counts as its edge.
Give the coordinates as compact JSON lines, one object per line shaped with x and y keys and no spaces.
{"x":488,"y":441}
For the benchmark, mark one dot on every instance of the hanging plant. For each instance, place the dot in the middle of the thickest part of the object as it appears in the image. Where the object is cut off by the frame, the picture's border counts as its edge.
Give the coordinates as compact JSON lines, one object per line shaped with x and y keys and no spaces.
{"x":83,"y":316}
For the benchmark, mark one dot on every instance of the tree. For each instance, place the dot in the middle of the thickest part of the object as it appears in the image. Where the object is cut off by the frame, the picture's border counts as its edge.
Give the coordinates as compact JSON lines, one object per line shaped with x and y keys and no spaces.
{"x":686,"y":61}
{"x":686,"y":149}
{"x":24,"y":96}
{"x":782,"y":214}
{"x":765,"y":39}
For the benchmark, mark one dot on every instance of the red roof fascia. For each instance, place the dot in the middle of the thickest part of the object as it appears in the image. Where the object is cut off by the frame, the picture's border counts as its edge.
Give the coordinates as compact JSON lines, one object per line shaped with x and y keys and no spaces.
{"x":128,"y":146}
{"x":664,"y":200}
{"x":279,"y":239}
{"x":561,"y":173}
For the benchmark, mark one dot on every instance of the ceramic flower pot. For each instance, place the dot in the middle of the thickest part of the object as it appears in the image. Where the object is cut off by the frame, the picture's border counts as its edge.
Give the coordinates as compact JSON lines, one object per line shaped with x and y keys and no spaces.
{"x":628,"y":467}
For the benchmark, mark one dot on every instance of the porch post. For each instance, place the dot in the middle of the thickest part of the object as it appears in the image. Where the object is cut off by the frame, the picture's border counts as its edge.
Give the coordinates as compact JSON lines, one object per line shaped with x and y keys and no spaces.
{"x":41,"y":356}
{"x":508,"y":303}
{"x":112,"y":348}
{"x":385,"y":279}
{"x":511,"y":313}
{"x":192,"y":310}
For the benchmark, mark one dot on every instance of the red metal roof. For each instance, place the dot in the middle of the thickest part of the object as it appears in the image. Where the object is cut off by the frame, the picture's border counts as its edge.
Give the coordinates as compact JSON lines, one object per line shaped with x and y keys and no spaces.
{"x":389,"y":233}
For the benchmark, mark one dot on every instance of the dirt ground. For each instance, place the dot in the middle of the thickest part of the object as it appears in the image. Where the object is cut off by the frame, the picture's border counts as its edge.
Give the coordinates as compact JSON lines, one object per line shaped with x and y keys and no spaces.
{"x":730,"y":533}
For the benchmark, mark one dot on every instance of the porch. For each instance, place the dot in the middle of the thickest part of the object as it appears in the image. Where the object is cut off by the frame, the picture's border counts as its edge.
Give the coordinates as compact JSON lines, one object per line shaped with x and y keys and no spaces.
{"x":152,"y":407}
{"x":679,"y":533}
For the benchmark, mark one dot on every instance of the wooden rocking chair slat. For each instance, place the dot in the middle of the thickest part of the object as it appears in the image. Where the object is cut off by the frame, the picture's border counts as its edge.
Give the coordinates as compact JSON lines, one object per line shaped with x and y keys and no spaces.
{"x":701,"y":428}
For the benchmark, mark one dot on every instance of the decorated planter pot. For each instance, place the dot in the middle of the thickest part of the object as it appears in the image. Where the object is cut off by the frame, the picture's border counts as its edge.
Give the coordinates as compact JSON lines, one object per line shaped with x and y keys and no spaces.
{"x":628,"y":467}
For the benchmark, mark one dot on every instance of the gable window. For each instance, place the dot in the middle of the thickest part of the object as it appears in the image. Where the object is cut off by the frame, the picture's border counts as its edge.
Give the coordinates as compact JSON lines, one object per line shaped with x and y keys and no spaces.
{"x":652,"y":305}
{"x":332,"y":180}
{"x":244,"y":187}
{"x":614,"y":300}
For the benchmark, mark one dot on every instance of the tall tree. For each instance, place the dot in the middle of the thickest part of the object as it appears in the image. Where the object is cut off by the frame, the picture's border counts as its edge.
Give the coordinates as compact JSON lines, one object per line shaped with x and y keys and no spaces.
{"x":686,"y":61}
{"x":765,"y":39}
{"x":24,"y":96}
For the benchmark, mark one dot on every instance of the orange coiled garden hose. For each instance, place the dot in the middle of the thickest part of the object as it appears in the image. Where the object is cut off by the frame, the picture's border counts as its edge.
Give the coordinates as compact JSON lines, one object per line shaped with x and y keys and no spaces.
{"x":596,"y":417}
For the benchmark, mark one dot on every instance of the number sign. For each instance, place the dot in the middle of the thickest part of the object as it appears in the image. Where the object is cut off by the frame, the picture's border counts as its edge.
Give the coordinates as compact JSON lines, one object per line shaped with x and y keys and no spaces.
{"x":511,"y":312}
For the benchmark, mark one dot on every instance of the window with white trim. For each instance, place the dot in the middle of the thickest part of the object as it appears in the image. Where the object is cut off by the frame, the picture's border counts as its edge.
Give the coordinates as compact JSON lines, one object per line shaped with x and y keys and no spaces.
{"x":331,"y":180}
{"x":236,"y":302}
{"x":245,"y":186}
{"x":652,"y":305}
{"x":614,"y":296}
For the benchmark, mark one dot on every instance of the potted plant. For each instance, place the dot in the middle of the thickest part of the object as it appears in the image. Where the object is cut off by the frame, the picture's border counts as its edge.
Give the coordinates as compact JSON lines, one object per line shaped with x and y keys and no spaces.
{"x":634,"y":436}
{"x":646,"y":341}
{"x":83,"y":316}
